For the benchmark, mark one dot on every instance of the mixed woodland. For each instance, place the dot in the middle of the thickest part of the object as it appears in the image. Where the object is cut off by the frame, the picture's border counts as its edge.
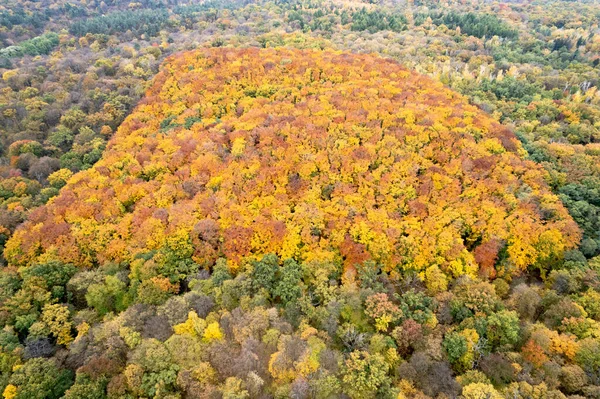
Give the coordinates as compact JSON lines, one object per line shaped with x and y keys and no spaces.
{"x":299,"y":199}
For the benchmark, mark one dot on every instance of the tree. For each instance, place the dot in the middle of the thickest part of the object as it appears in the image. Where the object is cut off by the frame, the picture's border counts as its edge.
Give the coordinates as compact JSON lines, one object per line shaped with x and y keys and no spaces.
{"x":108,"y":296}
{"x":152,"y":362}
{"x":39,"y":379}
{"x":534,"y":353}
{"x":57,"y":319}
{"x":408,"y":336}
{"x":526,"y":301}
{"x":588,"y":356}
{"x":85,"y":388}
{"x":498,"y":368}
{"x":573,"y":378}
{"x":480,"y":390}
{"x":156,"y":290}
{"x":289,"y":286}
{"x":363,"y":374}
{"x":43,"y":168}
{"x":212,"y":332}
{"x":264,"y":273}
{"x":234,"y":389}
{"x":460,"y":348}
{"x":59,"y":178}
{"x":384,"y":312}
{"x":55,"y":275}
{"x":503,"y":328}
{"x":220,"y":272}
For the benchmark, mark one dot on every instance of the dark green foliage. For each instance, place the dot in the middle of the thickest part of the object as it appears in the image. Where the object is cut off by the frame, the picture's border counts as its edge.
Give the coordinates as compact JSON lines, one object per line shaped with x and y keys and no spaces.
{"x":473,"y":24}
{"x":503,"y":329}
{"x":510,"y":89}
{"x":315,"y":21}
{"x":55,"y":274}
{"x":584,"y":208}
{"x":86,"y":388}
{"x":264,"y":273}
{"x":417,"y":306}
{"x":220,"y":273}
{"x":190,"y":121}
{"x":455,"y":346}
{"x":289,"y":286}
{"x":147,"y":22}
{"x":9,"y":342}
{"x":18,"y":16}
{"x":168,"y":124}
{"x":375,"y":21}
{"x":41,"y":379}
{"x":208,"y":11}
{"x":43,"y":44}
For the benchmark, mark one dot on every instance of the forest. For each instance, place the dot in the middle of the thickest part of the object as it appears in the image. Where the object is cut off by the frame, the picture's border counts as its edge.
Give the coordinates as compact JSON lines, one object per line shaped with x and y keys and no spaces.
{"x":299,"y":199}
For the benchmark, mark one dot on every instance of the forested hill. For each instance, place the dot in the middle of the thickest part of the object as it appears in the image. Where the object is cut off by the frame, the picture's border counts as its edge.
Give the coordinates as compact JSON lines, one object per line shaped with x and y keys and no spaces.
{"x":316,"y":156}
{"x":335,"y":199}
{"x":230,"y":200}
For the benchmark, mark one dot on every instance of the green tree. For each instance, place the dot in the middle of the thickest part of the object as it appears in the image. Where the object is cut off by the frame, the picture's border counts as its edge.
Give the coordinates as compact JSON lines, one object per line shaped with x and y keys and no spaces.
{"x":264,"y":273}
{"x":289,"y":287}
{"x":455,"y":346}
{"x":588,"y":356}
{"x":86,"y":388}
{"x":40,"y":378}
{"x":108,"y":296}
{"x":55,"y":275}
{"x":503,"y":328}
{"x":160,"y":371}
{"x":220,"y":273}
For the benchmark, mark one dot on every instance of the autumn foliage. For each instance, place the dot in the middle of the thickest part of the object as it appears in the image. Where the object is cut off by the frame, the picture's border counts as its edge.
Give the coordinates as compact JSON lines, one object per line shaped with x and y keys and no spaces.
{"x":308,"y":155}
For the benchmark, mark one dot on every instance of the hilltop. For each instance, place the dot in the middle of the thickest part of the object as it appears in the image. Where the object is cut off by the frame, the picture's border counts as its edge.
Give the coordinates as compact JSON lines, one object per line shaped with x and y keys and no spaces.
{"x":316,"y":156}
{"x":245,"y":220}
{"x":306,"y":224}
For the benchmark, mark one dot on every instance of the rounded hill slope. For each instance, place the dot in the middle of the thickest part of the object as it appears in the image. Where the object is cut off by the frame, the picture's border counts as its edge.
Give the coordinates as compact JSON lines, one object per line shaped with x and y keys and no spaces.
{"x":319,"y":156}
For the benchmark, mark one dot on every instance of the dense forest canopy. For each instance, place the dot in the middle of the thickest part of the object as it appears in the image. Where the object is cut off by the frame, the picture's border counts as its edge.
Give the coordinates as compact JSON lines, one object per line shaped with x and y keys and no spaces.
{"x":308,"y":155}
{"x":226,"y":199}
